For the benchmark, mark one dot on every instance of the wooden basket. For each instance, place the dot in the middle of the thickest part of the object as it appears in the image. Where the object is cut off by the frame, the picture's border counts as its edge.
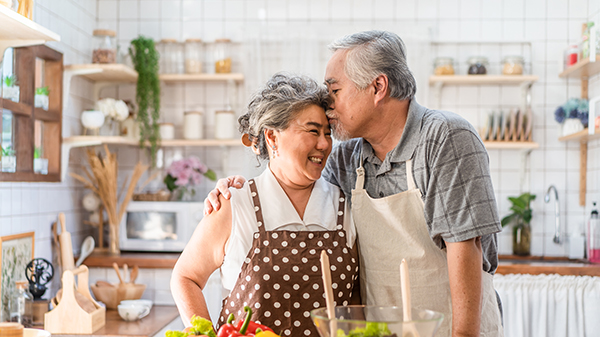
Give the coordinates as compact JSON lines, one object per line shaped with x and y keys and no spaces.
{"x":157,"y":196}
{"x":70,"y":318}
{"x":112,"y":296}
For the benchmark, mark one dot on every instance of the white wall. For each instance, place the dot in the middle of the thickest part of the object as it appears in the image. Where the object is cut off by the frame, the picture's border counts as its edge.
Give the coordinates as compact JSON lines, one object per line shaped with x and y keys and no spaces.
{"x":549,"y":25}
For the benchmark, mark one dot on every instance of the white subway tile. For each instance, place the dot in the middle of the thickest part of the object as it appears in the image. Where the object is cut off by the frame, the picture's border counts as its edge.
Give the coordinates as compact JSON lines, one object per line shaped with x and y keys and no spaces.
{"x":578,"y":9}
{"x":162,"y":279}
{"x":320,"y":9}
{"x":384,"y":9}
{"x":404,"y":10}
{"x":557,"y":9}
{"x":107,"y":10}
{"x":513,"y":30}
{"x":150,"y":10}
{"x":235,"y":9}
{"x":362,"y":10}
{"x":470,"y":29}
{"x":471,"y":9}
{"x":535,"y":9}
{"x":170,"y":30}
{"x":128,"y":9}
{"x":448,"y":30}
{"x":163,"y":297}
{"x":213,"y":9}
{"x":170,"y":10}
{"x":256,"y":9}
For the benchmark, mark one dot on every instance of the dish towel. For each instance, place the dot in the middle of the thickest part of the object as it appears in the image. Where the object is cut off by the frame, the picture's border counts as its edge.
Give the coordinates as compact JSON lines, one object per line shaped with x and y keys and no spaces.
{"x":549,"y":305}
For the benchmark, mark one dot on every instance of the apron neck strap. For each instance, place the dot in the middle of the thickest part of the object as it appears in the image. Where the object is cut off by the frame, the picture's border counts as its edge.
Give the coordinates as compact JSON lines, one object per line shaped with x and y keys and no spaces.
{"x":360,"y":174}
{"x":257,"y":206}
{"x":409,"y":175}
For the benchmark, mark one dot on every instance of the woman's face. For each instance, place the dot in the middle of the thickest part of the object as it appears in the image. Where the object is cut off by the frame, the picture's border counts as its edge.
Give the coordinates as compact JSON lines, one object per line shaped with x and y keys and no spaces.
{"x":302,"y":148}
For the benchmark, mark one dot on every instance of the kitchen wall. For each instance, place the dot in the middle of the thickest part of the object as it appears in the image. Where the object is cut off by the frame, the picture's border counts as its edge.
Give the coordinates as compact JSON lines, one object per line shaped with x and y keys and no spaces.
{"x":549,"y":25}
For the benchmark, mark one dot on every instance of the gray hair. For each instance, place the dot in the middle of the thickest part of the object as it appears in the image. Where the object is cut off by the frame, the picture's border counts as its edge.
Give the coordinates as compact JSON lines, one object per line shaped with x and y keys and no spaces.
{"x":277,"y":104}
{"x":375,"y":52}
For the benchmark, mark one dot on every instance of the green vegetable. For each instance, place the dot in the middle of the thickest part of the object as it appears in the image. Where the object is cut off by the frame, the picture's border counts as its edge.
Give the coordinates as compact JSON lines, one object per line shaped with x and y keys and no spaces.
{"x":200,"y":326}
{"x":372,"y":329}
{"x":42,"y":91}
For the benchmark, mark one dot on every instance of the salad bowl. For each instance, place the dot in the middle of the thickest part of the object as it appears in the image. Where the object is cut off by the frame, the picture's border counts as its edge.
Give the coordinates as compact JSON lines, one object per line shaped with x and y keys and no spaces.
{"x":375,"y":321}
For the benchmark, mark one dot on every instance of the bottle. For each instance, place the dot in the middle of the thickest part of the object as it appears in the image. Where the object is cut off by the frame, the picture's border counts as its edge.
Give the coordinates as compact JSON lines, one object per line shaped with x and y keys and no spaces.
{"x":594,"y":236}
{"x":21,"y":305}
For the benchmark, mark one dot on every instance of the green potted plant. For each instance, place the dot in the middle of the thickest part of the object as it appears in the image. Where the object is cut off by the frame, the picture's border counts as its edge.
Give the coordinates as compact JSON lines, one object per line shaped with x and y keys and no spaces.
{"x":145,"y":60}
{"x":9,"y":160}
{"x":40,"y":165}
{"x":10,"y":89}
{"x":41,"y":98}
{"x":520,"y":219}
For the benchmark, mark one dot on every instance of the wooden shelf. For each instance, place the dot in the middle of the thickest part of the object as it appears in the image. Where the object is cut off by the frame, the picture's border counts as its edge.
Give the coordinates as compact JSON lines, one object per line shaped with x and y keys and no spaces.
{"x":582,"y":136}
{"x":511,"y":145}
{"x":18,"y":28}
{"x":79,"y":141}
{"x":582,"y":69}
{"x":172,"y":78}
{"x":143,"y":260}
{"x":19,"y":108}
{"x":104,"y":72}
{"x":482,"y":79}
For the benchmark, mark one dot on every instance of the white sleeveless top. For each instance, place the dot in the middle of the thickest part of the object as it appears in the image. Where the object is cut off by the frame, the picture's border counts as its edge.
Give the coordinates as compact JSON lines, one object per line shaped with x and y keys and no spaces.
{"x":279,"y":214}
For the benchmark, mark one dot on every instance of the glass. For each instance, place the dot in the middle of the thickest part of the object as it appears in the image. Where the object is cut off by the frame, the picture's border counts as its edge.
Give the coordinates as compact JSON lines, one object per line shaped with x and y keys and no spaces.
{"x":105,"y":46}
{"x":222,"y":56}
{"x":477,"y":65}
{"x":151,"y":225}
{"x":193,"y":56}
{"x":10,"y":82}
{"x":594,"y":236}
{"x":21,"y":305}
{"x":513,"y":65}
{"x":8,"y":153}
{"x":172,"y":55}
{"x":444,"y":66}
{"x":348,"y":318}
{"x":521,"y":238}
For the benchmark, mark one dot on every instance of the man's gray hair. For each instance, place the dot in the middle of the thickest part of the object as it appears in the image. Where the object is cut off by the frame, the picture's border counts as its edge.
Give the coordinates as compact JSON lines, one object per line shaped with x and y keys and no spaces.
{"x":277,"y":104}
{"x":375,"y":52}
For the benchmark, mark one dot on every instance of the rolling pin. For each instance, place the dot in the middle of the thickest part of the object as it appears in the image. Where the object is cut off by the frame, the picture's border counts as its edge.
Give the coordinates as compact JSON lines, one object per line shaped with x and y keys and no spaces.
{"x":66,"y":246}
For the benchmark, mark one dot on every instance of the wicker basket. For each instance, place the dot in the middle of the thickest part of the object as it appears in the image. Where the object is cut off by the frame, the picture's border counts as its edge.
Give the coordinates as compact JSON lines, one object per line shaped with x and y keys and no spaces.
{"x":156,"y":196}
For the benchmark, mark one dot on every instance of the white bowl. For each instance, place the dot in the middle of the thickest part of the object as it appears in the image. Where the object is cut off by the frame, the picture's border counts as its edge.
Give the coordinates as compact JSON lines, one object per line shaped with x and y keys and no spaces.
{"x":28,"y":332}
{"x":92,"y":119}
{"x":147,"y":303}
{"x":133,"y":312}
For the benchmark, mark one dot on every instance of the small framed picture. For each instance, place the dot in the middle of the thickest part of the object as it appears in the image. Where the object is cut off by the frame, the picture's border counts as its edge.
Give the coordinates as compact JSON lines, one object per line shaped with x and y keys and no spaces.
{"x":16,"y":251}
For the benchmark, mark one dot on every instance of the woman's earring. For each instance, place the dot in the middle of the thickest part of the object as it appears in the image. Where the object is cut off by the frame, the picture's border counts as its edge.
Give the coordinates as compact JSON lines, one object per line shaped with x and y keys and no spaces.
{"x":275,"y":153}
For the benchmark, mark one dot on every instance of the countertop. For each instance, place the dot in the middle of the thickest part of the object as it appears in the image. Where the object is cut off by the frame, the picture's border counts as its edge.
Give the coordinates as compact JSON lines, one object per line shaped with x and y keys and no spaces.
{"x":158,"y":318}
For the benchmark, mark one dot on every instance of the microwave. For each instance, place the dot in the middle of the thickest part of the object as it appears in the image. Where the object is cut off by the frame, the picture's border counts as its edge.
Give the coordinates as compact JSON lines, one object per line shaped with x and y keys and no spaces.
{"x":159,"y":226}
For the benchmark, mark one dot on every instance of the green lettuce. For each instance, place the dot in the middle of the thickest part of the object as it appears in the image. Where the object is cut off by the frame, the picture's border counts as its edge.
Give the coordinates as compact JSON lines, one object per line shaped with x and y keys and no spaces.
{"x":200,"y":326}
{"x":371,"y":329}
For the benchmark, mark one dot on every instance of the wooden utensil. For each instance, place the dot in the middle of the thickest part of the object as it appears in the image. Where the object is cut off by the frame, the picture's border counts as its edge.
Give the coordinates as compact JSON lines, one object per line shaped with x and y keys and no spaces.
{"x":66,"y":246}
{"x":134,"y":274}
{"x":326,"y":272}
{"x":408,"y":327}
{"x":116,"y":268}
{"x":125,"y":272}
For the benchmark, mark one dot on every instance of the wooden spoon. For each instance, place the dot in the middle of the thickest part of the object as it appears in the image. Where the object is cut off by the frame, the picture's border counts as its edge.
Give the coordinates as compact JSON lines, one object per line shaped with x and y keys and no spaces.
{"x":134,"y":274}
{"x":125,"y":272}
{"x":408,"y":327}
{"x":326,"y":271}
{"x":116,"y":268}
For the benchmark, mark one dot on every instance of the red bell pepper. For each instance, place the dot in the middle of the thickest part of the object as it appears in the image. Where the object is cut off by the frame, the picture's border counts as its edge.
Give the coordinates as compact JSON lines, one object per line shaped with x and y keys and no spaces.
{"x":227,"y":329}
{"x":244,"y":328}
{"x":252,"y":326}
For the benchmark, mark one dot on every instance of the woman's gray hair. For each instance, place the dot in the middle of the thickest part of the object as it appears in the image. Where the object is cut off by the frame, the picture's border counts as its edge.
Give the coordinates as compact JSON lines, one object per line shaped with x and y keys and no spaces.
{"x":375,"y":52}
{"x":277,"y":104}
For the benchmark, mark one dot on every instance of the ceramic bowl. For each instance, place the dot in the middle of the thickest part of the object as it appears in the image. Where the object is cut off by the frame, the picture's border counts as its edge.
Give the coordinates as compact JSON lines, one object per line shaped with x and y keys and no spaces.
{"x":28,"y":332}
{"x":92,"y":119}
{"x":147,"y":303}
{"x":133,"y":312}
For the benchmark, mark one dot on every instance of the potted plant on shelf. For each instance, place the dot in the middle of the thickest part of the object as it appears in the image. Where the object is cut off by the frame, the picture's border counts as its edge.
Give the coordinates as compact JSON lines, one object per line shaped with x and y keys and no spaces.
{"x":10,"y":89}
{"x":573,"y":115}
{"x":520,"y":219}
{"x":145,"y":60}
{"x":9,"y":160}
{"x":114,"y":111}
{"x":40,"y":165}
{"x":41,"y":98}
{"x":183,"y":175}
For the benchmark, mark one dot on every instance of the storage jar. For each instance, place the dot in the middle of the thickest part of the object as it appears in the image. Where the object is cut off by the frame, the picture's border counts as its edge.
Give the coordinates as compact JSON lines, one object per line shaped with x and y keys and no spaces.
{"x":222,"y":56}
{"x":105,"y":46}
{"x":194,"y":50}
{"x":444,"y":66}
{"x":512,"y":65}
{"x":166,"y":130}
{"x":192,"y":125}
{"x":477,"y":65}
{"x":172,"y":56}
{"x":224,"y":124}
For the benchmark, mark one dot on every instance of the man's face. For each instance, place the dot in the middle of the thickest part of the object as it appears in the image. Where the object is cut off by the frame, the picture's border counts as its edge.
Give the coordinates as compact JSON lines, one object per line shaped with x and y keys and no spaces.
{"x":350,"y":107}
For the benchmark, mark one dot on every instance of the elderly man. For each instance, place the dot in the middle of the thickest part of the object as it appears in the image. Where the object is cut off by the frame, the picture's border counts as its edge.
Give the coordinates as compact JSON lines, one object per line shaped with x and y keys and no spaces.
{"x":419,"y":185}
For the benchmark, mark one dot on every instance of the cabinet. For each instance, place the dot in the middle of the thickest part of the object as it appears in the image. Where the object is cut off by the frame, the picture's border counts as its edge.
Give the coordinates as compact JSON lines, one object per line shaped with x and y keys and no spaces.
{"x":104,"y":75}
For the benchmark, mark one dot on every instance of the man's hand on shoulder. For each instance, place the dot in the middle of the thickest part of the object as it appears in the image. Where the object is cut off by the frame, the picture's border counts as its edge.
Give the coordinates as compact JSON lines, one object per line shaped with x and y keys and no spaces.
{"x":222,"y":188}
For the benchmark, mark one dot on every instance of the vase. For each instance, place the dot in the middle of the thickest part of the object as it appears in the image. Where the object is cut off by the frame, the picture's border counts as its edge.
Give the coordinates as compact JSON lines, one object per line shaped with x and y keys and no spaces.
{"x":114,"y":247}
{"x":521,"y":238}
{"x":571,"y":126}
{"x":183,"y":193}
{"x":41,"y":101}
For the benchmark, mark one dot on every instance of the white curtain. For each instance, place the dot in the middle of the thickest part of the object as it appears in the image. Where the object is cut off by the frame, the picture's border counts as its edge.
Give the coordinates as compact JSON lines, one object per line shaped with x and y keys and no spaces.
{"x":549,"y":305}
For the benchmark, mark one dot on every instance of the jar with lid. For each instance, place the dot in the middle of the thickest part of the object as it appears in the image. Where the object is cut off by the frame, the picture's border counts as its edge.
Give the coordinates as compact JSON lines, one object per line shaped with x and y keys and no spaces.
{"x":477,"y":65}
{"x":571,"y":55}
{"x":224,"y":124}
{"x":105,"y":46}
{"x":193,"y":125}
{"x":512,"y":65}
{"x":172,"y":55}
{"x":222,"y":56}
{"x":193,"y":56}
{"x":444,"y":66}
{"x":166,"y":130}
{"x":21,"y":304}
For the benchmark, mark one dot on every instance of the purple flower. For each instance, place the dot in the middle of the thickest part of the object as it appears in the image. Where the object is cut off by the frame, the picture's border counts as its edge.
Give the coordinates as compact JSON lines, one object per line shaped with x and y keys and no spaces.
{"x":559,"y":114}
{"x":187,"y":171}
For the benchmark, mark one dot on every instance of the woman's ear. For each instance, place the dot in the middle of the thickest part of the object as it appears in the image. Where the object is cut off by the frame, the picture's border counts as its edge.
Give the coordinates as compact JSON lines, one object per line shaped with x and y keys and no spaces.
{"x":271,"y":138}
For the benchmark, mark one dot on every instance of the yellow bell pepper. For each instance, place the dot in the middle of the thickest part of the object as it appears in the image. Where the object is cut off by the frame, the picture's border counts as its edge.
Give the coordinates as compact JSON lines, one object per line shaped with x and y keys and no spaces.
{"x":266,"y":334}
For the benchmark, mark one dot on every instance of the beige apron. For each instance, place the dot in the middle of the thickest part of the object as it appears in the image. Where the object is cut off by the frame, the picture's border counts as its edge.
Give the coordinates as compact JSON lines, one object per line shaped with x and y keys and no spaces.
{"x":394,"y":227}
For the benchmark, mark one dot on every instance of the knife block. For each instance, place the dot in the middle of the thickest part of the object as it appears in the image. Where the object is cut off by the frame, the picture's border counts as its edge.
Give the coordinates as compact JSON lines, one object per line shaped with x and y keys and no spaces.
{"x":68,"y":317}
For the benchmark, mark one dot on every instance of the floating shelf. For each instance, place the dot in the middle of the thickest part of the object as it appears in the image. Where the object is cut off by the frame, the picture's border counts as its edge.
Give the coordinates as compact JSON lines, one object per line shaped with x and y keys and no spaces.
{"x":171,"y":78}
{"x":582,"y":136}
{"x":104,"y":72}
{"x":582,"y":69}
{"x":16,"y":27}
{"x":482,"y":79}
{"x":511,"y":145}
{"x":79,"y":141}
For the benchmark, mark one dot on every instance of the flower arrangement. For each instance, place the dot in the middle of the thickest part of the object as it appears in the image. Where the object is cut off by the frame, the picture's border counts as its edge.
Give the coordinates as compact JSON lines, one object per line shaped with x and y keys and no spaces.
{"x":113,"y":109}
{"x":573,"y":108}
{"x":186,"y":173}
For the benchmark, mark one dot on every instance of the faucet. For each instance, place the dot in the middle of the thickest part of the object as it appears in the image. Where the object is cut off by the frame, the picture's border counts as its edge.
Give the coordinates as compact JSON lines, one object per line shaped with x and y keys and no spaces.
{"x":556,"y":212}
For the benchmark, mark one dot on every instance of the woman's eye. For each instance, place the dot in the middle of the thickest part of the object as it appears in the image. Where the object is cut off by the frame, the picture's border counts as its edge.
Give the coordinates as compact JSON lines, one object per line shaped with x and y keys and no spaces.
{"x":335,"y":91}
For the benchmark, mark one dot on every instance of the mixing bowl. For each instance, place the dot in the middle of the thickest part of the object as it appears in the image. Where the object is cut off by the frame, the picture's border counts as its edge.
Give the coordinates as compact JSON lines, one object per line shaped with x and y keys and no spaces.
{"x":360,"y":320}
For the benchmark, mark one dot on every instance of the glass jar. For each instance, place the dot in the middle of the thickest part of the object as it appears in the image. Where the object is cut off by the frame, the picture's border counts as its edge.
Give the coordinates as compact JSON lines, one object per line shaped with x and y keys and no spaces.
{"x":477,"y":65}
{"x":192,"y":125}
{"x":444,"y":66}
{"x":224,"y":124}
{"x":512,"y":65}
{"x":166,"y":130}
{"x":571,"y":55}
{"x":593,"y":240}
{"x":193,"y":56}
{"x":172,"y":54}
{"x":105,"y":46}
{"x":222,"y":56}
{"x":21,"y":305}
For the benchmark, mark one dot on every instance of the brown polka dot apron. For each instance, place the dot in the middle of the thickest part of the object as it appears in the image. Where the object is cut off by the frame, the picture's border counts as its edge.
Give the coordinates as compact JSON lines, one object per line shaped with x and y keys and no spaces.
{"x":281,"y":276}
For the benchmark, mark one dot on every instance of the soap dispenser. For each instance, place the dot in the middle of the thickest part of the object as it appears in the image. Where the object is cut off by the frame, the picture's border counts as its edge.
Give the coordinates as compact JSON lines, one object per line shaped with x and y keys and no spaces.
{"x":594,"y":236}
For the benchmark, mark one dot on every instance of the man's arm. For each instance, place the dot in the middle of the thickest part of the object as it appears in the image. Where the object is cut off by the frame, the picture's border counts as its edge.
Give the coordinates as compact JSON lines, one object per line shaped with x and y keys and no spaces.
{"x":222,"y":188}
{"x":464,"y":271}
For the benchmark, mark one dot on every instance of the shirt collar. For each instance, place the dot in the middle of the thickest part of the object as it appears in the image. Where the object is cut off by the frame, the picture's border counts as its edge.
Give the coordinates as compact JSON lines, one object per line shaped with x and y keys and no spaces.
{"x":278,"y":210}
{"x":408,"y":142}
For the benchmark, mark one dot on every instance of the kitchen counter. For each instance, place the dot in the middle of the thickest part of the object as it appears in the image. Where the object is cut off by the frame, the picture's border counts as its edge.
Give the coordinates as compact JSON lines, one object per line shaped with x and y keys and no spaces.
{"x":159,"y":317}
{"x":535,"y":265}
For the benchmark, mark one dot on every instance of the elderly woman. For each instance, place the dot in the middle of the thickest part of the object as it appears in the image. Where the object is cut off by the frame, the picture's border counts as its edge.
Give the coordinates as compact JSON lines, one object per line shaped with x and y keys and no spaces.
{"x":267,"y":238}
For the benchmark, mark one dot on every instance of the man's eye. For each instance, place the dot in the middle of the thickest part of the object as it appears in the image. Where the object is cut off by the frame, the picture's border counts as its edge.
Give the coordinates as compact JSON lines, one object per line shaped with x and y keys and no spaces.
{"x":314,"y":131}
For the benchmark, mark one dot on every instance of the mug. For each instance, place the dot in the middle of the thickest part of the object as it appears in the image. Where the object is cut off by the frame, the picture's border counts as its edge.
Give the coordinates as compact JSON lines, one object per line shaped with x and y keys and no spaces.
{"x":133,"y":312}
